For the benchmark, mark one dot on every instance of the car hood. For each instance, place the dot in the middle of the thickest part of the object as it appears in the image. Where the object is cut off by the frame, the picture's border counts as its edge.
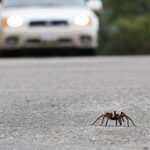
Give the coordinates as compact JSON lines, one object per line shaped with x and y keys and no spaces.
{"x":46,"y":12}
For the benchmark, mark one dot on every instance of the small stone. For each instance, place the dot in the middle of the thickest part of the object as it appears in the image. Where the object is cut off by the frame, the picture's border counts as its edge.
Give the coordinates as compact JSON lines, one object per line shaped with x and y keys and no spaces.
{"x":27,"y":101}
{"x":53,"y":105}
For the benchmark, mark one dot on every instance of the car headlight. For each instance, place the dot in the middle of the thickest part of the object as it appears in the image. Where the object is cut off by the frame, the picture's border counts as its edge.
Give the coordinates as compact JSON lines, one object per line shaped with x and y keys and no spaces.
{"x":12,"y":21}
{"x":82,"y":20}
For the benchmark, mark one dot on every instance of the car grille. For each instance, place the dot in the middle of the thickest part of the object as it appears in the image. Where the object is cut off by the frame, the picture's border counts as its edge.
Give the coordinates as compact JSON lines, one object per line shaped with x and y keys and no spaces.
{"x":42,"y":23}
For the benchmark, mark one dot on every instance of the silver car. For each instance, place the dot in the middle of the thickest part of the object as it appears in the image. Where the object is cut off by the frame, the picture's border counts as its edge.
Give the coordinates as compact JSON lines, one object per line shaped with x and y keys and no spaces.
{"x":49,"y":23}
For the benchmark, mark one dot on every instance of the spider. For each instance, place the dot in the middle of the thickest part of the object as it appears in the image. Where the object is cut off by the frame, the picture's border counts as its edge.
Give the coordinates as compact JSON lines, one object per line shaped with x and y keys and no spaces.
{"x":116,"y":116}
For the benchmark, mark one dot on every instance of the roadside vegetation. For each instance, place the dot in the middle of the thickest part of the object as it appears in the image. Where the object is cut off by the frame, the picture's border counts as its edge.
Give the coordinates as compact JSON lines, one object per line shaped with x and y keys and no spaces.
{"x":125,"y":27}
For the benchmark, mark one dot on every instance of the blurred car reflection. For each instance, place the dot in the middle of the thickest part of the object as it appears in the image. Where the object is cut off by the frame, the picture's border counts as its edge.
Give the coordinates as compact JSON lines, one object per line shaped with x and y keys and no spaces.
{"x":49,"y":23}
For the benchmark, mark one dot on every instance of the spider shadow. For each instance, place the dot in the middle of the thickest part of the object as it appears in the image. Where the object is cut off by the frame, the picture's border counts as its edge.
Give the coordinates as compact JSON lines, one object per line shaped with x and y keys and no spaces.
{"x":112,"y":126}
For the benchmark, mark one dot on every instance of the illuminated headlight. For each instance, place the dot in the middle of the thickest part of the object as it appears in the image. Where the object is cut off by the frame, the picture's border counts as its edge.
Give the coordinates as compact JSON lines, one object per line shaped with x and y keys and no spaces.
{"x":82,"y":20}
{"x":13,"y":21}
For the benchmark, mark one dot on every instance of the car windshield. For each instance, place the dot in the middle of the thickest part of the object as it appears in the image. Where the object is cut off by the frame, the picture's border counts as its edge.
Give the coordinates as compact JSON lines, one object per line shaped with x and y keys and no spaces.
{"x":19,"y":3}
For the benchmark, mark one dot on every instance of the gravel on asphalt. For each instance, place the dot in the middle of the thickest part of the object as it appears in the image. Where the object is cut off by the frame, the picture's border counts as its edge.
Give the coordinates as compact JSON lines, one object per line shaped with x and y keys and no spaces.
{"x":49,"y":103}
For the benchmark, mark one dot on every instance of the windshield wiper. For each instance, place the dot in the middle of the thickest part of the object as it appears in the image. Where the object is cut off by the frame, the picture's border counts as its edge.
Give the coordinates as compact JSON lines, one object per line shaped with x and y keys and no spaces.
{"x":32,"y":5}
{"x":47,"y":5}
{"x":7,"y":6}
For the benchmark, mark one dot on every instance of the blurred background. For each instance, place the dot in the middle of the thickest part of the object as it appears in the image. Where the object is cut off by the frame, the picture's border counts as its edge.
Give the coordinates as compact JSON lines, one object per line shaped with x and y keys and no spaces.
{"x":125,"y":27}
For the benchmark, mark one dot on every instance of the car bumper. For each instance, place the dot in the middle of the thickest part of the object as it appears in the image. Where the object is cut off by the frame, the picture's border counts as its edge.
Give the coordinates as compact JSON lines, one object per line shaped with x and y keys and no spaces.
{"x":51,"y":37}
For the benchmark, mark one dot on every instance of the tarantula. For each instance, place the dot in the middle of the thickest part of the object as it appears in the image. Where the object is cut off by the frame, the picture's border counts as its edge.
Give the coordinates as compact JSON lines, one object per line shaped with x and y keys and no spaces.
{"x":116,"y":116}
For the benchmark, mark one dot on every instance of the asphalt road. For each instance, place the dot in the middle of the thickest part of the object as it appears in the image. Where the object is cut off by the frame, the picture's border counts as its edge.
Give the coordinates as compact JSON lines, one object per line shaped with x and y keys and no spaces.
{"x":49,"y":103}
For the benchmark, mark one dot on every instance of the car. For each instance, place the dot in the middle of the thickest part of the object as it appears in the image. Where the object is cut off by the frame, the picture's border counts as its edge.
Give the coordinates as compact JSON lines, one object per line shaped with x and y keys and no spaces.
{"x":49,"y":23}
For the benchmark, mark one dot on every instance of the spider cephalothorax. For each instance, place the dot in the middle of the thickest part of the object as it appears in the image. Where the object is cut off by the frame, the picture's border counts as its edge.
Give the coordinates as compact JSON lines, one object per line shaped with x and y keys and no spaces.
{"x":116,"y":116}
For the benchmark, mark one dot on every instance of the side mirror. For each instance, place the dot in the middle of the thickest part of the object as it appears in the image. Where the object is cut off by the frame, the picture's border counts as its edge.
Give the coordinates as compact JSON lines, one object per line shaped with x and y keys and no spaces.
{"x":95,"y":5}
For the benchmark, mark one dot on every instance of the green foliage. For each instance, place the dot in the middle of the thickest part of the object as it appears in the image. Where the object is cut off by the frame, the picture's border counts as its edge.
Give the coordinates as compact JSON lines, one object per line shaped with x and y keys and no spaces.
{"x":125,"y":27}
{"x":126,"y":8}
{"x":130,"y":37}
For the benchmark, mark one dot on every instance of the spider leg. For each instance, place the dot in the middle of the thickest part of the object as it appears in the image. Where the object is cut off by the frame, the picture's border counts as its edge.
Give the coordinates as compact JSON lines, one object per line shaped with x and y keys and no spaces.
{"x":120,"y":121}
{"x":97,"y":120}
{"x":128,"y":118}
{"x":127,"y":121}
{"x":116,"y":122}
{"x":121,"y":116}
{"x":103,"y":119}
{"x":118,"y":118}
{"x":106,"y":122}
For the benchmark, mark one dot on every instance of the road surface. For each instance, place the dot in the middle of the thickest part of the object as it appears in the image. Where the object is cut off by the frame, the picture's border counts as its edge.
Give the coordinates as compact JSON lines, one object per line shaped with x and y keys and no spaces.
{"x":49,"y":103}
